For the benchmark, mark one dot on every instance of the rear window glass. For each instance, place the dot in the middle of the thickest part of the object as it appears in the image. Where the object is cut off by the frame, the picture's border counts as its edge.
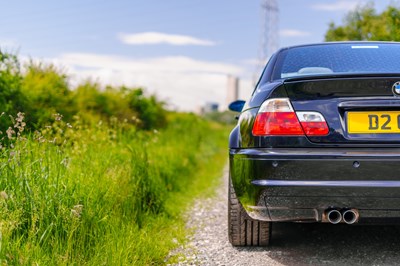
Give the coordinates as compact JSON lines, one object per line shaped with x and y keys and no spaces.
{"x":329,"y":59}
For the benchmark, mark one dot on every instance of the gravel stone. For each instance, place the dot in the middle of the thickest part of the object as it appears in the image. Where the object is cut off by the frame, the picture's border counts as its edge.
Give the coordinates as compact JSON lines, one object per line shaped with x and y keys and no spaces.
{"x":209,"y":244}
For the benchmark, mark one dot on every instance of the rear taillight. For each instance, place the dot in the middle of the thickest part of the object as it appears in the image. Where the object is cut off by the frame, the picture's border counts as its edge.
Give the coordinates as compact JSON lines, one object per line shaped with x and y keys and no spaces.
{"x":276,"y":117}
{"x":313,"y":123}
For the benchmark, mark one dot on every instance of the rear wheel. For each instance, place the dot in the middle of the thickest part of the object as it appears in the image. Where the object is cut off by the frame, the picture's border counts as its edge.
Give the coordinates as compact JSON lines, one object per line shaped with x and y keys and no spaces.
{"x":243,"y":230}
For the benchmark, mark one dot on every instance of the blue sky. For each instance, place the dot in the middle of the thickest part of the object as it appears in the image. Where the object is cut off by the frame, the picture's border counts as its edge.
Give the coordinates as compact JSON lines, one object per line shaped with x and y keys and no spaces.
{"x":180,"y":50}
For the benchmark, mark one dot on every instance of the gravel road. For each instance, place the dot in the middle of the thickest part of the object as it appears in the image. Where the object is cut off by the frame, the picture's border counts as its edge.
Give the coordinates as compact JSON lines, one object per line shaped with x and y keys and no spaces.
{"x":291,"y":243}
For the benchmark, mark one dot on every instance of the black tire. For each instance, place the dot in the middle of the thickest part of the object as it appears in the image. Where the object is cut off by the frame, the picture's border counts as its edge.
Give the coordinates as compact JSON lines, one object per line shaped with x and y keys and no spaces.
{"x":243,"y":230}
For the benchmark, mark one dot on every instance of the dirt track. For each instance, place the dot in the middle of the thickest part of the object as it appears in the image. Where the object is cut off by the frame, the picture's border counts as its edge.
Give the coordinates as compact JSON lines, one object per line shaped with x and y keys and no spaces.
{"x":291,"y":244}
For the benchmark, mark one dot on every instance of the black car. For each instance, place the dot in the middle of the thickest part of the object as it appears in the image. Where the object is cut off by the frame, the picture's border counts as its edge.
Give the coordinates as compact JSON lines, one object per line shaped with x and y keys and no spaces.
{"x":318,"y":140}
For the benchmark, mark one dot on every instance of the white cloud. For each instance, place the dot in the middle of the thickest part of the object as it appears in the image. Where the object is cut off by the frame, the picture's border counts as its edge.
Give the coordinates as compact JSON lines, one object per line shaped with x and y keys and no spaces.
{"x":184,"y":82}
{"x":341,"y":5}
{"x":161,"y":38}
{"x":293,"y":33}
{"x":159,"y":64}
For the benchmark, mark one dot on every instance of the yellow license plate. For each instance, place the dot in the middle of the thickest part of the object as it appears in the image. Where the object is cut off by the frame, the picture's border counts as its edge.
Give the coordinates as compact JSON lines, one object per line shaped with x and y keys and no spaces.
{"x":373,"y":122}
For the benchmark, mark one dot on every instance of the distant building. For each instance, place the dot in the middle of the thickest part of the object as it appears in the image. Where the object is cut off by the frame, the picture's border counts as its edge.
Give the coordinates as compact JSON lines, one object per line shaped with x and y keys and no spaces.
{"x":210,"y":107}
{"x":232,"y":89}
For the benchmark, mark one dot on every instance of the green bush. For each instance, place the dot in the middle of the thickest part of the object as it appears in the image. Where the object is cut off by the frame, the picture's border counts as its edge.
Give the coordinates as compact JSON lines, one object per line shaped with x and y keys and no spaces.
{"x":151,"y":111}
{"x":43,"y":90}
{"x":47,"y":93}
{"x":11,"y":98}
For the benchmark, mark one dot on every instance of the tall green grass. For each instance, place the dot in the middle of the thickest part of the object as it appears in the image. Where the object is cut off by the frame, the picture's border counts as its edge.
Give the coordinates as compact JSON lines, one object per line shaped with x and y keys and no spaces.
{"x":103,"y":195}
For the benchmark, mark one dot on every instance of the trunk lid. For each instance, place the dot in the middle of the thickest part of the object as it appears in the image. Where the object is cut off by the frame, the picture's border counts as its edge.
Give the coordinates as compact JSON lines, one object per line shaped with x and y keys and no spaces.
{"x":361,"y":109}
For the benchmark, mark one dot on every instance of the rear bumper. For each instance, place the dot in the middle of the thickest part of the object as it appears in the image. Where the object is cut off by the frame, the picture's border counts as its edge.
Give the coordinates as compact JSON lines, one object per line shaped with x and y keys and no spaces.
{"x":301,"y":184}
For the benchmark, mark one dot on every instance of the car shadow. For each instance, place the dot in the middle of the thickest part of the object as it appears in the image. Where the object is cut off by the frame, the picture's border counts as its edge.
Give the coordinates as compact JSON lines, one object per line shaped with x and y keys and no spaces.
{"x":327,"y":244}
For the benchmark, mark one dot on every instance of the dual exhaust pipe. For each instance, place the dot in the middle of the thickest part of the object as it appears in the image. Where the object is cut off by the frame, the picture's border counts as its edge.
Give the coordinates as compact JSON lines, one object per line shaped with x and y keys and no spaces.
{"x":349,"y":216}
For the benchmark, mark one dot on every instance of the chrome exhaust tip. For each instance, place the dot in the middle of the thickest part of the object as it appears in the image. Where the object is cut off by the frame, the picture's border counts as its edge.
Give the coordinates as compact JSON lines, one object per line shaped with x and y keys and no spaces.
{"x":334,"y":216}
{"x":350,"y":216}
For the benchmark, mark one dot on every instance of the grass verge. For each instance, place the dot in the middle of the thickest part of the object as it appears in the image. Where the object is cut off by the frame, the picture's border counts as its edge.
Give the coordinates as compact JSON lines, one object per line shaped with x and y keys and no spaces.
{"x":104,"y":195}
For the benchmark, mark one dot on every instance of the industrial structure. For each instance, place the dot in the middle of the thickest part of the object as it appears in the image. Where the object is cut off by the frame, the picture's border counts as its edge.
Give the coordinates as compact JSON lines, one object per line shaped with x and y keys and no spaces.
{"x":232,"y":93}
{"x":270,"y":30}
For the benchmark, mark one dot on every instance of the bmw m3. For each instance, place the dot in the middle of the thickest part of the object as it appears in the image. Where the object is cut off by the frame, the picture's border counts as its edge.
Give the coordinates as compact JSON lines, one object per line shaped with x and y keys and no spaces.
{"x":317,"y":141}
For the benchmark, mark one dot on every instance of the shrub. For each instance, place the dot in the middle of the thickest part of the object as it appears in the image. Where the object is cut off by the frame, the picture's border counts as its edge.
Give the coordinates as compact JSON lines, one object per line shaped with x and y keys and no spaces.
{"x":46,"y":91}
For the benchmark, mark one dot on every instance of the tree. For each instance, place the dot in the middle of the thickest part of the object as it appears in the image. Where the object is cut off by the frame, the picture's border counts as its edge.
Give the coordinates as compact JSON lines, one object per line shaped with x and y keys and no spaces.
{"x":365,"y":24}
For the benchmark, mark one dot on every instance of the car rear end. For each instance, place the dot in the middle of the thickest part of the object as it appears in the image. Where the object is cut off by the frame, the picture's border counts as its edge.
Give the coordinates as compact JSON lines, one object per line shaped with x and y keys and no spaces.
{"x":319,"y":140}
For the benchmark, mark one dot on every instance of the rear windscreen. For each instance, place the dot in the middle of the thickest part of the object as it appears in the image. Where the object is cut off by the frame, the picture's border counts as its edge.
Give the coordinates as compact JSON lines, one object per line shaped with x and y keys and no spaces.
{"x":333,"y":59}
